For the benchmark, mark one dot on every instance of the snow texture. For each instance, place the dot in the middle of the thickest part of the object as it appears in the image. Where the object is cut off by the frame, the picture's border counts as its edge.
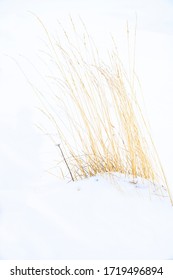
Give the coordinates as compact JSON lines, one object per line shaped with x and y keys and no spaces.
{"x":97,"y":218}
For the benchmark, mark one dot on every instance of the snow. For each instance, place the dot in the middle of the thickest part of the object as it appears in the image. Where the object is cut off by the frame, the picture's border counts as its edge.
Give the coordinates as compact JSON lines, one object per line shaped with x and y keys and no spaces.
{"x":44,"y":218}
{"x":97,"y":218}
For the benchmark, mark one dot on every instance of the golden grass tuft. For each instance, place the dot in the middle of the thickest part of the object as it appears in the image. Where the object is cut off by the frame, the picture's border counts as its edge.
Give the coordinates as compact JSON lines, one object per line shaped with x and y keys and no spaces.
{"x":96,"y":113}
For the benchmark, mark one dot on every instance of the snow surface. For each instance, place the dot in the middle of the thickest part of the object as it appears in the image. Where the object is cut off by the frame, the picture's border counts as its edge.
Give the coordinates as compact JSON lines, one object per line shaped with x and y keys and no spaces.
{"x":97,"y":218}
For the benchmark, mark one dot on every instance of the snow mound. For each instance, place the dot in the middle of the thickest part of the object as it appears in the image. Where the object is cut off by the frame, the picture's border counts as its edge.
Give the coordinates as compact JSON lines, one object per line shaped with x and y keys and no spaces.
{"x":97,"y":218}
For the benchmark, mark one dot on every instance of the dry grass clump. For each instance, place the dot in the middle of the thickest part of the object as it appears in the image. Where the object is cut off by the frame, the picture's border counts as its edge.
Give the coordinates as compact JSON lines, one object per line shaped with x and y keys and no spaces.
{"x":95,"y":111}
